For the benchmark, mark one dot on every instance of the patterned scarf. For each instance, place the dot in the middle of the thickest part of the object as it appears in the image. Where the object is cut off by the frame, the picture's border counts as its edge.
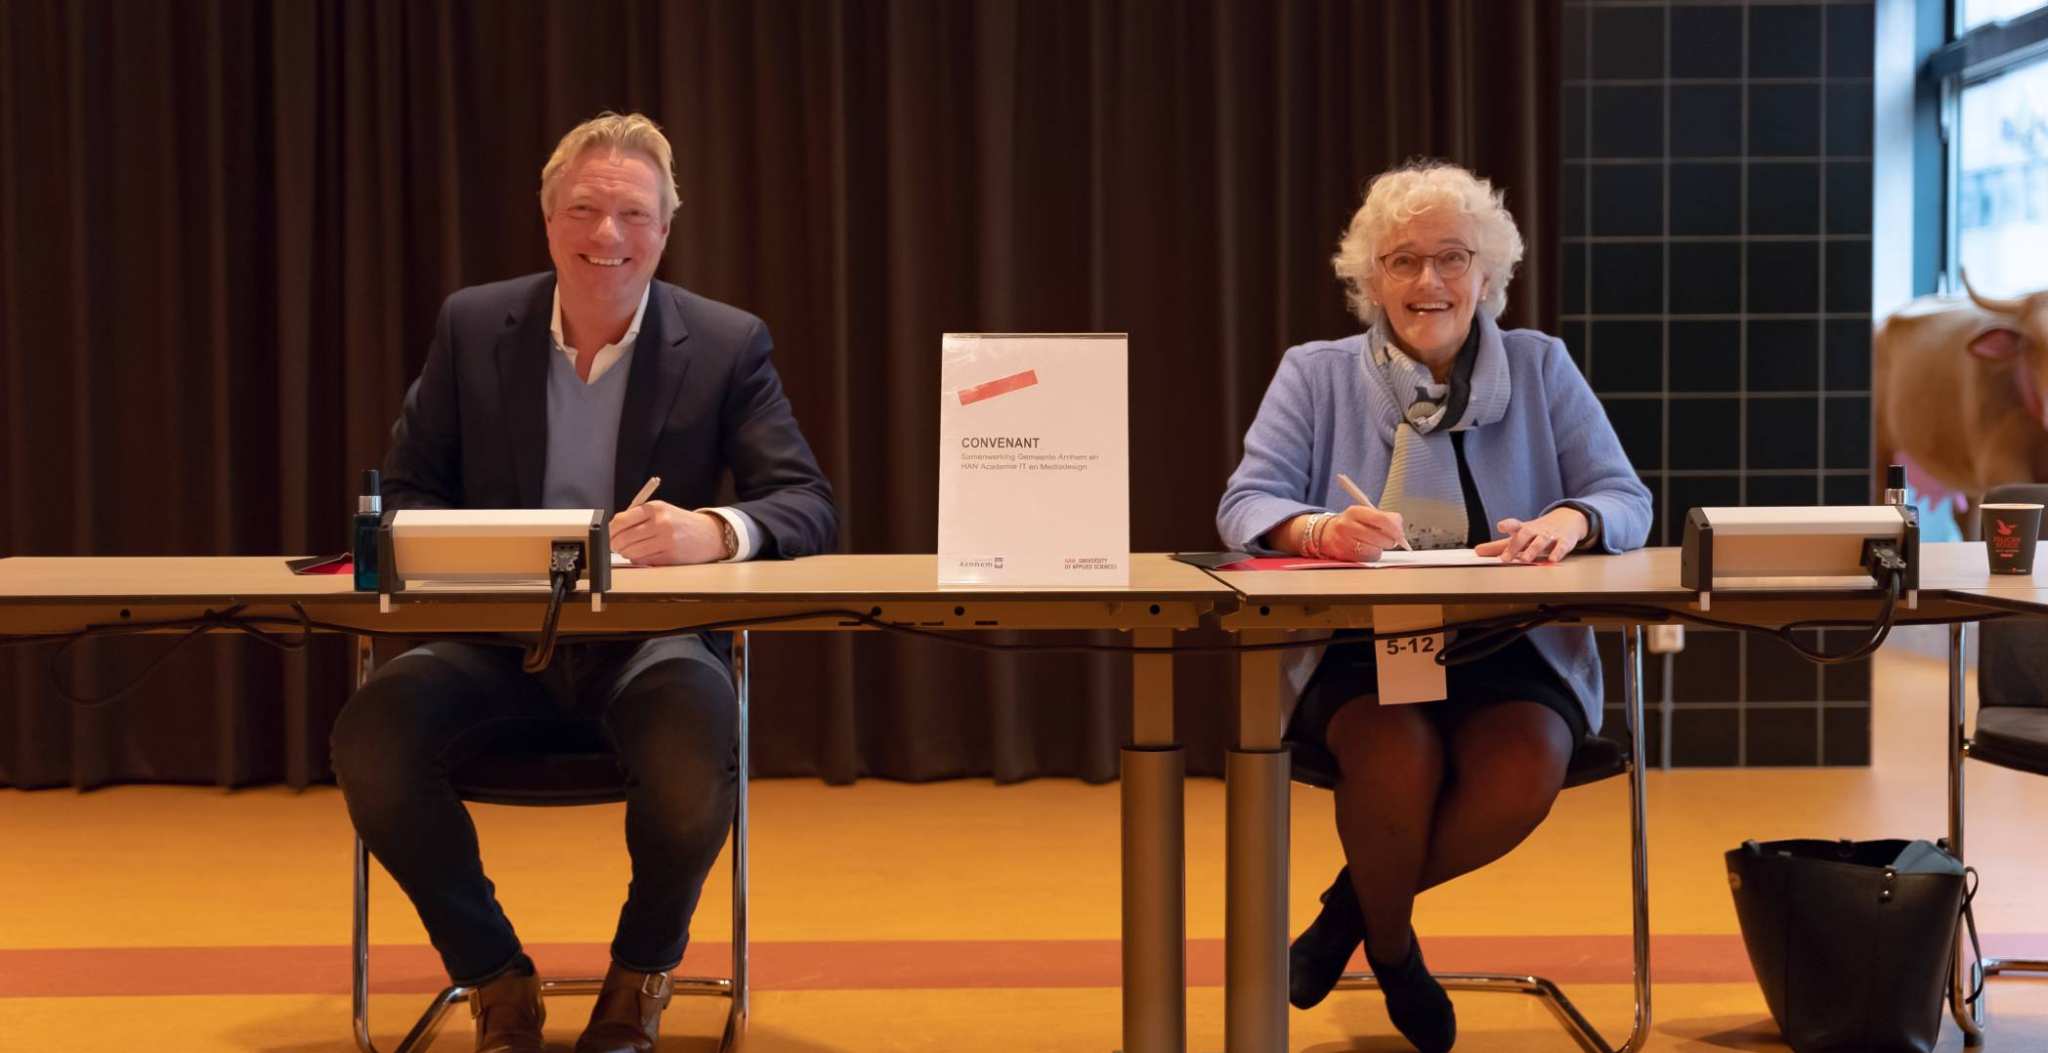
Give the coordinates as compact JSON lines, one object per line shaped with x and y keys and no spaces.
{"x":1417,"y":419}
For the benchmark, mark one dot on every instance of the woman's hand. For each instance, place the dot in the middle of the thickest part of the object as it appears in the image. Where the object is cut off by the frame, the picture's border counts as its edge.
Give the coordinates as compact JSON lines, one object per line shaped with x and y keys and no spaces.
{"x":1361,"y":534}
{"x":1548,"y":537}
{"x":1358,"y":533}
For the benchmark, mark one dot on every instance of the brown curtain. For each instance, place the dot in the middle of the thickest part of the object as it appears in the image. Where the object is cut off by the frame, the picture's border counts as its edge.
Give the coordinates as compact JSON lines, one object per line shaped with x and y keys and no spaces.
{"x":227,"y":227}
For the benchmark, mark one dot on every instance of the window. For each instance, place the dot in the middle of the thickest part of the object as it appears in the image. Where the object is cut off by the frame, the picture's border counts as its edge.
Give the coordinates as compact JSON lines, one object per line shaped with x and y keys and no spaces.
{"x":2001,"y":195}
{"x":1994,"y":84}
{"x":1980,"y":155}
{"x":1973,"y":13}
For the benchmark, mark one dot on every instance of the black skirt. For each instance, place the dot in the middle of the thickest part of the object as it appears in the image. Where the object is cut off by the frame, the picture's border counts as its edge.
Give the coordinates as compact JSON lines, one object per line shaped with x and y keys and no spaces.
{"x":1515,"y":673}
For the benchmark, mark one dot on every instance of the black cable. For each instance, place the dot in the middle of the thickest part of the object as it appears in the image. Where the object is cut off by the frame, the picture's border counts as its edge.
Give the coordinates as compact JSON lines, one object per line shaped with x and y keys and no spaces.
{"x":542,"y":652}
{"x":1477,"y":637}
{"x":1471,"y":646}
{"x":1540,"y":616}
{"x":565,"y":562}
{"x":1880,"y":627}
{"x":208,"y":621}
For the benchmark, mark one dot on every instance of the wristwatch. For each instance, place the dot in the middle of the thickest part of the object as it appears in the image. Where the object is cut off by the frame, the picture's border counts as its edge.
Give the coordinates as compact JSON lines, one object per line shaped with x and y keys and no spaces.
{"x":727,"y":536}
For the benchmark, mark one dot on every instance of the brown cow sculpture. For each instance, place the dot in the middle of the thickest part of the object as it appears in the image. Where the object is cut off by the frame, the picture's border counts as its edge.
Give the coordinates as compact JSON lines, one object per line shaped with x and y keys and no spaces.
{"x":1958,"y":391}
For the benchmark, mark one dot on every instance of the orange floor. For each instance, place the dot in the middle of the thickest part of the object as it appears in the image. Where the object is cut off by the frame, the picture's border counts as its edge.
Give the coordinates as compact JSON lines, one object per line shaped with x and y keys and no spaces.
{"x":941,"y":917}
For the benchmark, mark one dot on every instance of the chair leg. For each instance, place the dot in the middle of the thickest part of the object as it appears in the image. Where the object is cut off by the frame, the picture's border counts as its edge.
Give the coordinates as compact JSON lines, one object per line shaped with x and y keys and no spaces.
{"x":1639,"y":833}
{"x":422,"y":1033}
{"x":735,"y":987}
{"x":1985,"y":968}
{"x":359,"y":986}
{"x":1968,"y":1014}
{"x":2000,"y":966}
{"x":1575,"y":1023}
{"x":736,"y":1014}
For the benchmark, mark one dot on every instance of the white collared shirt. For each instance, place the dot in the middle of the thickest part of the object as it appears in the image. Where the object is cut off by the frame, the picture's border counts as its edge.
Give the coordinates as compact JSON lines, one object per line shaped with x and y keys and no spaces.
{"x":608,"y":356}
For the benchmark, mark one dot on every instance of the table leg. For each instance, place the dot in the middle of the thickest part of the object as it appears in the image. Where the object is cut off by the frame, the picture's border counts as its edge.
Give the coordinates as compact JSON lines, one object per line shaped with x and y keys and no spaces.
{"x":1967,"y":1018}
{"x":1255,"y":921}
{"x":1638,"y":822}
{"x":1154,"y":861}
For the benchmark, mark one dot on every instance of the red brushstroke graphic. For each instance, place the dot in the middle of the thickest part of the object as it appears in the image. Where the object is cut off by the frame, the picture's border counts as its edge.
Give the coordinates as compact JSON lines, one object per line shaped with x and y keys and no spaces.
{"x":999,"y":386}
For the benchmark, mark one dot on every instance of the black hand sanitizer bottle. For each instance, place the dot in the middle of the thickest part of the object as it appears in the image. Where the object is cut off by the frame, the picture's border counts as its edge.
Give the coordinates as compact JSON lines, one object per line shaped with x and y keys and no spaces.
{"x":369,"y":514}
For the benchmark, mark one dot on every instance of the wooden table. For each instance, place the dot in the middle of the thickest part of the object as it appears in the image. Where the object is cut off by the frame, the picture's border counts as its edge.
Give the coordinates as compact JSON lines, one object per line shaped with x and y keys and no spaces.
{"x":1955,"y":583}
{"x":63,"y":595}
{"x":2017,"y":593}
{"x":826,"y":593}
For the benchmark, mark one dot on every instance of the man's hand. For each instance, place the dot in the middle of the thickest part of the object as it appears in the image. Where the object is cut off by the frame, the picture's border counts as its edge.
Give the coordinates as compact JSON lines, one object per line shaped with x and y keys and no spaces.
{"x":658,"y":534}
{"x":1548,"y":537}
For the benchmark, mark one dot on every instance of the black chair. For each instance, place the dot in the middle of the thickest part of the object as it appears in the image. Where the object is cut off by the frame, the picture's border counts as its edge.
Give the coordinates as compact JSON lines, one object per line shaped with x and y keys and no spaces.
{"x":2012,"y":718}
{"x":1596,"y":759}
{"x":585,"y":772}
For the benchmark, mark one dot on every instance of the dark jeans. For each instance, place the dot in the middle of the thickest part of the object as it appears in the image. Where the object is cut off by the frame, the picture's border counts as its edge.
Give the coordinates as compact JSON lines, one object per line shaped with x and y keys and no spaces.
{"x":667,"y":706}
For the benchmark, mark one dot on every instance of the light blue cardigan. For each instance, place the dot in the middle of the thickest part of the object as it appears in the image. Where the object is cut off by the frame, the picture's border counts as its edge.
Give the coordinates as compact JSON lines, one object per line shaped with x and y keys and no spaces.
{"x":1554,"y":445}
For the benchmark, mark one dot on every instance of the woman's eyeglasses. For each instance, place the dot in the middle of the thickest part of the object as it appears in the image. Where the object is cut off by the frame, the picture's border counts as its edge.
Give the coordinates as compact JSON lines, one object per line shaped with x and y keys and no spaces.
{"x":1407,"y":266}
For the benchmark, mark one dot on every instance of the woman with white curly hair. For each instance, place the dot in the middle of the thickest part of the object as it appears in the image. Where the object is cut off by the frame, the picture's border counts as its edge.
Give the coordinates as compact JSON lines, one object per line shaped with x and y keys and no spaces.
{"x":1470,"y":437}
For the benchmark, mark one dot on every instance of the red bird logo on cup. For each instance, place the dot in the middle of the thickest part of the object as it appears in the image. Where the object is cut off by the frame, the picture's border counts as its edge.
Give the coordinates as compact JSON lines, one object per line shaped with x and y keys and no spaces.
{"x":2004,"y":529}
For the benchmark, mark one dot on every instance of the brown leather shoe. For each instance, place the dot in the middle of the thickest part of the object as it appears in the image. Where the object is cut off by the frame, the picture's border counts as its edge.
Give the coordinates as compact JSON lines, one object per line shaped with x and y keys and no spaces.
{"x":508,"y":1015}
{"x":627,"y":1017}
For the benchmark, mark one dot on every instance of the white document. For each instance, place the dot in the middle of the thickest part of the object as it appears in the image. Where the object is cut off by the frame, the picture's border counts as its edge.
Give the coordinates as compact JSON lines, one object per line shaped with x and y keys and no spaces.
{"x":1034,"y":460}
{"x":1440,"y":557}
{"x":1408,"y":671}
{"x":1394,"y":557}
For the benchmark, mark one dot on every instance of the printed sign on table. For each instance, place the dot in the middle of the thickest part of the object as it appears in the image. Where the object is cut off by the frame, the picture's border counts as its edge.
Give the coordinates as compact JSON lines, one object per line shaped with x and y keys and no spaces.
{"x":1408,"y":670}
{"x":1034,"y":460}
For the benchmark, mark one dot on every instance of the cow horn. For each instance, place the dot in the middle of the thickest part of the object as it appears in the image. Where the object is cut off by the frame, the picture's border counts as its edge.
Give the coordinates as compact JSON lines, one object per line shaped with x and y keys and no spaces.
{"x":2012,"y":306}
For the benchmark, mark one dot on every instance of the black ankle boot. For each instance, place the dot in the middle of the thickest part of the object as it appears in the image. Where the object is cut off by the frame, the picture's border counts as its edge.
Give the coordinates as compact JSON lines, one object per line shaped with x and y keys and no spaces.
{"x":1316,"y":958}
{"x":1416,"y":1003}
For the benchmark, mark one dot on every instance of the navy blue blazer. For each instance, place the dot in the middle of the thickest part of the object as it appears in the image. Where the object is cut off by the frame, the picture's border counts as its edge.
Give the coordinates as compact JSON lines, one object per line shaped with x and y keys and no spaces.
{"x":702,"y":400}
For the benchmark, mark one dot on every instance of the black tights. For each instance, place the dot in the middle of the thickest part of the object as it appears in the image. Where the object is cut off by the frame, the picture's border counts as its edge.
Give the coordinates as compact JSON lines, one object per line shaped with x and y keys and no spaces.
{"x":1418,"y":806}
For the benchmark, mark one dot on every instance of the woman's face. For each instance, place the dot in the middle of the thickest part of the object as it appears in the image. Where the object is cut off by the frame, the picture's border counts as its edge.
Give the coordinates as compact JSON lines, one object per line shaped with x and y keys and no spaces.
{"x":1429,"y":312}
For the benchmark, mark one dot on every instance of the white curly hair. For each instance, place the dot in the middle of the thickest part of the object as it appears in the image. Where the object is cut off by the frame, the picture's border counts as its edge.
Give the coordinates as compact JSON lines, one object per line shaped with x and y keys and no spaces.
{"x":1396,"y":197}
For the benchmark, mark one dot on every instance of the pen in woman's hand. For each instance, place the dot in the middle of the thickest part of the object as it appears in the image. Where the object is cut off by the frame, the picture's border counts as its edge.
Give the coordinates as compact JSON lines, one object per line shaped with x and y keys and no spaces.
{"x":1359,"y":496}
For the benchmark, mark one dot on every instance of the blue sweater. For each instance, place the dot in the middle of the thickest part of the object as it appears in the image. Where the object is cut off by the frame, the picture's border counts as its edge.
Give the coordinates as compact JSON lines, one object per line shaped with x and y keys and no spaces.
{"x":1555,"y":444}
{"x":583,"y":433}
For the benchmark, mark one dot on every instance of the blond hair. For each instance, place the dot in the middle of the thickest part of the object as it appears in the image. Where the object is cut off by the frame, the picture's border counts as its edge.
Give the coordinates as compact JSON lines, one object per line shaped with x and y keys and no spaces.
{"x":1399,"y":195}
{"x":615,"y":132}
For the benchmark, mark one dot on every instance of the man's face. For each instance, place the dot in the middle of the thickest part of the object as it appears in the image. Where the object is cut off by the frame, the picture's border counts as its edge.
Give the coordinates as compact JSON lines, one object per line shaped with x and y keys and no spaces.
{"x":608,"y":228}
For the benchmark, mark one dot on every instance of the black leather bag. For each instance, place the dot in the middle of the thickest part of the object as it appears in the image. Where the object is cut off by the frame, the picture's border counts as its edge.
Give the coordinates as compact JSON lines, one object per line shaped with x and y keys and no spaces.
{"x":1852,"y":941}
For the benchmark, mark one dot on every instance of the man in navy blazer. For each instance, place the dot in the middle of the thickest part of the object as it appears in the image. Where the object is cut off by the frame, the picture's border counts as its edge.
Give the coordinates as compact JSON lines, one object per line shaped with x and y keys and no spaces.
{"x":570,"y":389}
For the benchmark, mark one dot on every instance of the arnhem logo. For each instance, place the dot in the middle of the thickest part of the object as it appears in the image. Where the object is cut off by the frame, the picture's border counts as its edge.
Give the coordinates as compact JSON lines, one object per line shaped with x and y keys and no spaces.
{"x":980,"y":563}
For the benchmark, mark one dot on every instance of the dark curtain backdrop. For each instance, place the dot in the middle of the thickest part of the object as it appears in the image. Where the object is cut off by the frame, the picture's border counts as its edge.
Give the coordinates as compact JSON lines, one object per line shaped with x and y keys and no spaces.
{"x":227,"y":228}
